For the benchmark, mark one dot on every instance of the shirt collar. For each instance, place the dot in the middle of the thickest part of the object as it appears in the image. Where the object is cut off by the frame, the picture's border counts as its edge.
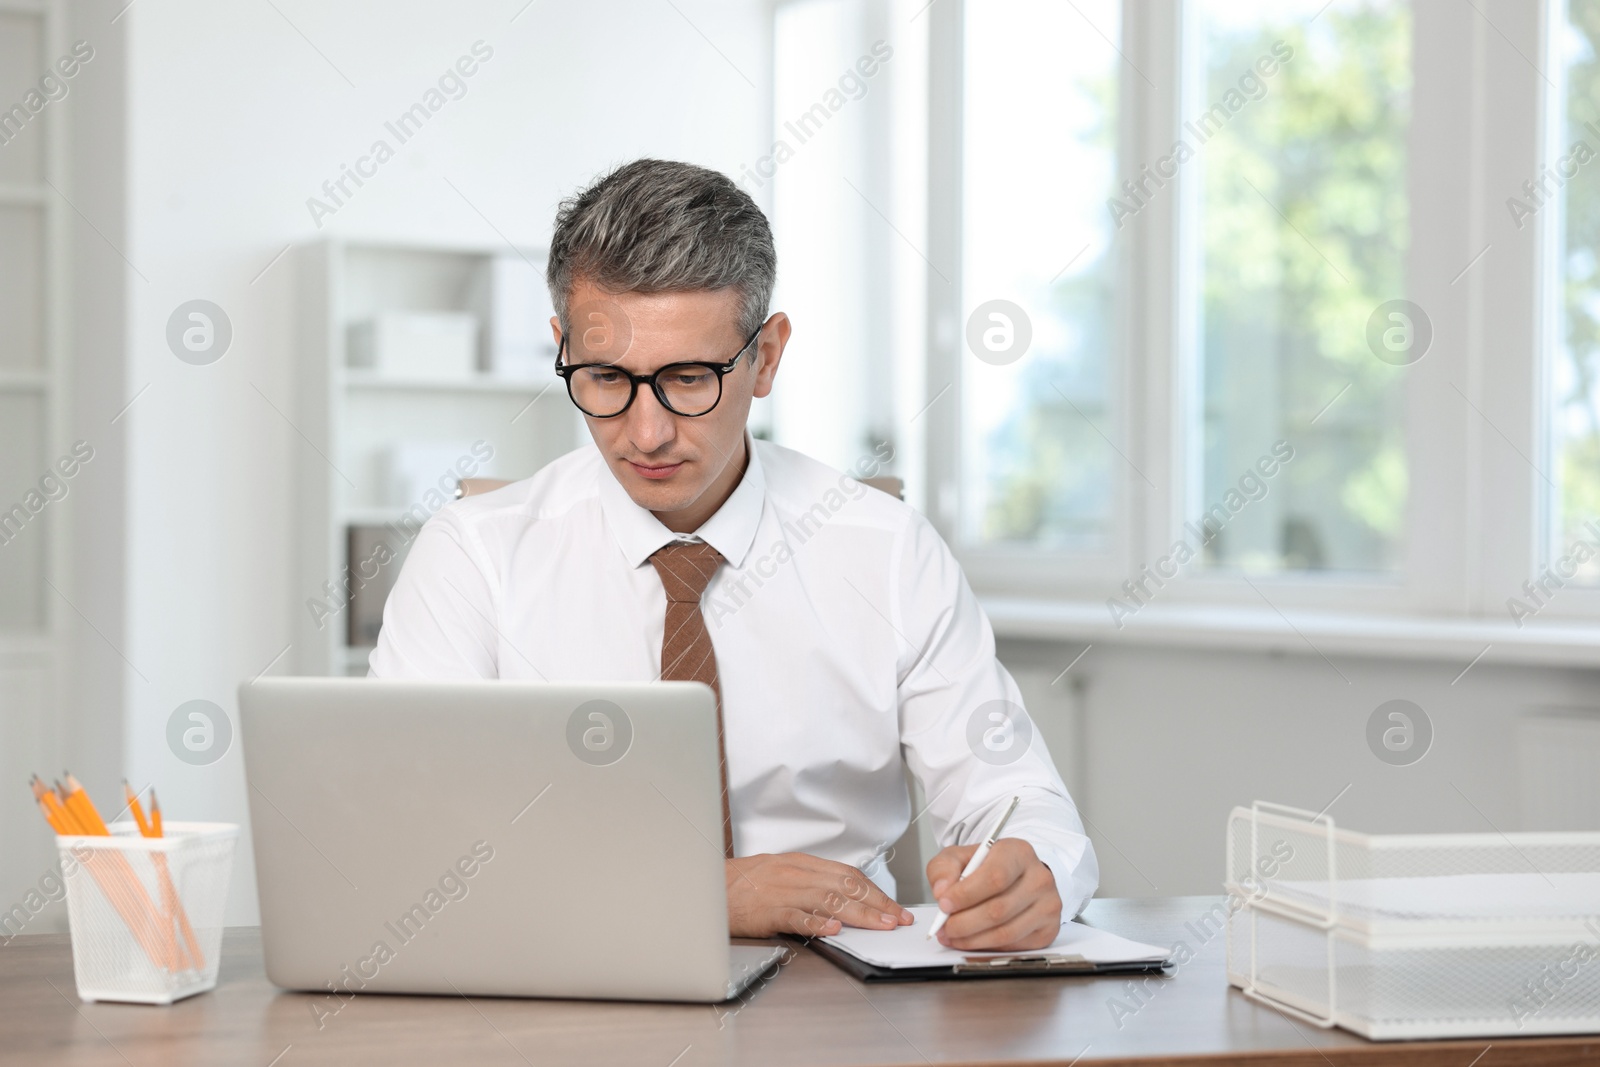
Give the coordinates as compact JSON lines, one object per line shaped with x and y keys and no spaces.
{"x":730,"y":531}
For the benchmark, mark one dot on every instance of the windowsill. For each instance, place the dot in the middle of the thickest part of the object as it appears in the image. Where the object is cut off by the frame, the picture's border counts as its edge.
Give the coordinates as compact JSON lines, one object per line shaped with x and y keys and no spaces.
{"x":1249,"y":629}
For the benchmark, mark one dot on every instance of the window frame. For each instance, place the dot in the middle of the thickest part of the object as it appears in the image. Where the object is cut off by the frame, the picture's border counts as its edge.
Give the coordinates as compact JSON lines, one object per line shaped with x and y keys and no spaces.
{"x":1580,"y":601}
{"x":1008,"y":567}
{"x":1477,"y":510}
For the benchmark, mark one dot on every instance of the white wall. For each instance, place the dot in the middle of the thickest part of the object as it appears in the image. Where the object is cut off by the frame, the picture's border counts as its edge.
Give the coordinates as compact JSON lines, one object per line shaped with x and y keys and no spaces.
{"x":1169,"y":741}
{"x":234,"y":120}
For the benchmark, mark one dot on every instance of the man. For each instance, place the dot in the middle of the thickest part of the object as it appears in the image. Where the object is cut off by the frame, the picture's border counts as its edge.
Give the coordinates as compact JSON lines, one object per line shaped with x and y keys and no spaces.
{"x":835,"y":626}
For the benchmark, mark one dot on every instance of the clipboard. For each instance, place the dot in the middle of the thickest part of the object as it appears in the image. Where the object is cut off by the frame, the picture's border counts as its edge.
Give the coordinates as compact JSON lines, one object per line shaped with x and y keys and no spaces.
{"x":905,"y":955}
{"x":1020,"y":966}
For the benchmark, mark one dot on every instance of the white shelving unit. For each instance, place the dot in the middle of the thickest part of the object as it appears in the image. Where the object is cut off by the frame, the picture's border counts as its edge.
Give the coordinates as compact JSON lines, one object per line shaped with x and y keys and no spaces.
{"x":354,"y":419}
{"x":34,"y":368}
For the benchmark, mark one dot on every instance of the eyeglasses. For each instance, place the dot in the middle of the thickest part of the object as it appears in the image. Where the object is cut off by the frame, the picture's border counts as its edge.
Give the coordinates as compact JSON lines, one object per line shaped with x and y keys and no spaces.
{"x":604,"y":390}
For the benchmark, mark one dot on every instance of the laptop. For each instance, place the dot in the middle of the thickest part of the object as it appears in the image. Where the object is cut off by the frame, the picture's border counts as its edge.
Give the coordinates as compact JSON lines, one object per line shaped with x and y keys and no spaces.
{"x":492,"y":839}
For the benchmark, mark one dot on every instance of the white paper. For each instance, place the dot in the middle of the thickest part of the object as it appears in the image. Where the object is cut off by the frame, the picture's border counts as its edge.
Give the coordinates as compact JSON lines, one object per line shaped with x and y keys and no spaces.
{"x":1516,"y":895}
{"x":908,"y":946}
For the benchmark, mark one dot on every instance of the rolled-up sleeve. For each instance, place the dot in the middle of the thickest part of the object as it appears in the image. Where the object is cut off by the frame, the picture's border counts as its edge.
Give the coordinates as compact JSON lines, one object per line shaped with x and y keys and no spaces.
{"x":964,"y":730}
{"x":439,"y":621}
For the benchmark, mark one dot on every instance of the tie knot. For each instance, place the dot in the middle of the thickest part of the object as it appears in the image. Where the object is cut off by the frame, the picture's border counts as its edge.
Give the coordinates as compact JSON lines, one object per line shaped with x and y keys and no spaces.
{"x":686,"y":568}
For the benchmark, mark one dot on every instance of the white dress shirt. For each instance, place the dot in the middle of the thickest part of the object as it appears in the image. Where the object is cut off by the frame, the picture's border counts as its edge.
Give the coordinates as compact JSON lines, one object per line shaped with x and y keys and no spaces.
{"x":848,"y":646}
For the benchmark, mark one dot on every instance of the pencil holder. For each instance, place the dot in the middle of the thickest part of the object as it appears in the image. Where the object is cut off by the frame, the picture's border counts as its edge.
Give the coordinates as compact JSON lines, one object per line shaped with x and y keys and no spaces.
{"x":145,"y":913}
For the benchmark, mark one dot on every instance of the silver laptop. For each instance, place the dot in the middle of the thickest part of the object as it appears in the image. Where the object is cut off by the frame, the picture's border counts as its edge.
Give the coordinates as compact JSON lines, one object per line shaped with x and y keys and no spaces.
{"x":491,"y":838}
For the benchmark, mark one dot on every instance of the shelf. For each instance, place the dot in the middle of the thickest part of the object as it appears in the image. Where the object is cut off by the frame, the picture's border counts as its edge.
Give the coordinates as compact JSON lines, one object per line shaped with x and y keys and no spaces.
{"x":24,"y":381}
{"x":355,"y":658}
{"x":368,"y":380}
{"x":30,"y":644}
{"x":12,"y":193}
{"x":378,"y":422}
{"x":369,"y":516}
{"x":1249,"y":629}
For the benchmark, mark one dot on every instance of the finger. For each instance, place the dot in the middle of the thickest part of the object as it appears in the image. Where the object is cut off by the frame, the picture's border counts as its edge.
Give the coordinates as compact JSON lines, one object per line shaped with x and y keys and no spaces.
{"x":1035,"y":927}
{"x":999,"y":870}
{"x":846,"y":885}
{"x":855,"y":913}
{"x":808,"y":923}
{"x":858,"y":887}
{"x":1001,"y":912}
{"x":989,"y":914}
{"x":946,"y":867}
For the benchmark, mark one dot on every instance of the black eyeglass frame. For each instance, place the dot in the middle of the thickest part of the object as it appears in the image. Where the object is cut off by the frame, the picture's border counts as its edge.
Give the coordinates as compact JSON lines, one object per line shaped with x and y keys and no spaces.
{"x":652,"y":379}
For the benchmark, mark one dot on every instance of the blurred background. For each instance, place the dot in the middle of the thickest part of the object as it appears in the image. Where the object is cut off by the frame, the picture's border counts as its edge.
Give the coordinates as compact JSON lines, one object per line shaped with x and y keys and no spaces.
{"x":1247,"y":352}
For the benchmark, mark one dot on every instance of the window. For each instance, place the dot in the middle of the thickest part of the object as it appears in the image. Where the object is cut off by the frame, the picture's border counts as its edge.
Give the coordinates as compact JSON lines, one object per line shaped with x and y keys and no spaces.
{"x":828,"y":177}
{"x":1301,"y":135}
{"x":1574,"y":235}
{"x":1036,"y":272}
{"x":1233,"y":229}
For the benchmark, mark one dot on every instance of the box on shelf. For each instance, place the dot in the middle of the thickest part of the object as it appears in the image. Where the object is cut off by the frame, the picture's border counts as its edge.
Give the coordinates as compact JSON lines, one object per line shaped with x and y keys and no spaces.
{"x":426,"y":473}
{"x":517,"y":344}
{"x":1414,"y":936}
{"x":373,"y":557}
{"x":415,"y":344}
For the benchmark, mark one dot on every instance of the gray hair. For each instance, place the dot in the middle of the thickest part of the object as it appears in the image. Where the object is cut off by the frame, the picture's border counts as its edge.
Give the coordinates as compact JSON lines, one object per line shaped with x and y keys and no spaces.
{"x":657,"y":226}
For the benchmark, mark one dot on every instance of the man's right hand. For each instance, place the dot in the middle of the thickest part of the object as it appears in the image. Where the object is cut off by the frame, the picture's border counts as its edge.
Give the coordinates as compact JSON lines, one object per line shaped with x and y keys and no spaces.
{"x":795,"y":893}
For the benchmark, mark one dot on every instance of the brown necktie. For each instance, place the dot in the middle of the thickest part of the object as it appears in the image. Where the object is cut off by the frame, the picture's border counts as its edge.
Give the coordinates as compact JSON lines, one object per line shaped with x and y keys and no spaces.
{"x":686,"y":568}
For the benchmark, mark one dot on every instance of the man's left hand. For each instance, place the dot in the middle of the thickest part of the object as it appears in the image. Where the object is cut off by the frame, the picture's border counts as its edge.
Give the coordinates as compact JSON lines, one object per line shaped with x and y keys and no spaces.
{"x":1009,"y":904}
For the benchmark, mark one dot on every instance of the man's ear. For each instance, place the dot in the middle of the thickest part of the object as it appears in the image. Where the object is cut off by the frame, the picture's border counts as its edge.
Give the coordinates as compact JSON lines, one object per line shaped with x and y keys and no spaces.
{"x":769,"y":351}
{"x":555,"y":330}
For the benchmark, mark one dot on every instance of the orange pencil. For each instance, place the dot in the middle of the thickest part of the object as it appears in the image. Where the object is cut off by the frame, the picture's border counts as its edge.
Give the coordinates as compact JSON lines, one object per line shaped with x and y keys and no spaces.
{"x":138,"y":812}
{"x":83,"y":808}
{"x":55,"y":823}
{"x":116,"y":891}
{"x":54,"y":813}
{"x":122,"y":888}
{"x":174,"y":907}
{"x":77,"y":802}
{"x":52,"y":807}
{"x":169,"y":891}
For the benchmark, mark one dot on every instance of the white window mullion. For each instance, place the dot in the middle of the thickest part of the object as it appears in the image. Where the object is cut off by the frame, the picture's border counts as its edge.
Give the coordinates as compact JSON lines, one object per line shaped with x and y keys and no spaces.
{"x":1444,"y":433}
{"x":941,"y":417}
{"x":1159,"y":367}
{"x":1508,"y":465}
{"x":1563,"y":515}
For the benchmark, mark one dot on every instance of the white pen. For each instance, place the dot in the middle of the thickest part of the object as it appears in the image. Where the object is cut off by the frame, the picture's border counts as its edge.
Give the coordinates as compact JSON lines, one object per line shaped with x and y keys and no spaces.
{"x":977,"y":858}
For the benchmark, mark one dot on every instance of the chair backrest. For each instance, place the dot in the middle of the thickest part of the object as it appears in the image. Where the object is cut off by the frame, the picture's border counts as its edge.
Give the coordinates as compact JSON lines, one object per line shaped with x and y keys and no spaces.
{"x":893,"y":486}
{"x":476,"y":486}
{"x":479,"y":486}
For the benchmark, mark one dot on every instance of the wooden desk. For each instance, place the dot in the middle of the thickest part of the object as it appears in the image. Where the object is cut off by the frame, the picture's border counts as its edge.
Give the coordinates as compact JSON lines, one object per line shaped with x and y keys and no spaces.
{"x":810,"y":1013}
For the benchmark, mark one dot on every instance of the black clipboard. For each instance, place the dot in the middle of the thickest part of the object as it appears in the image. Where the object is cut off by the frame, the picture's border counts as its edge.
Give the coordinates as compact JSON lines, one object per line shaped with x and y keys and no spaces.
{"x":1020,"y":965}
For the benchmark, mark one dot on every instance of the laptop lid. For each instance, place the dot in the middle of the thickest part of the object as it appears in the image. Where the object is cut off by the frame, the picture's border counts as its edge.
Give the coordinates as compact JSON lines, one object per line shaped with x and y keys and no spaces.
{"x":490,"y":838}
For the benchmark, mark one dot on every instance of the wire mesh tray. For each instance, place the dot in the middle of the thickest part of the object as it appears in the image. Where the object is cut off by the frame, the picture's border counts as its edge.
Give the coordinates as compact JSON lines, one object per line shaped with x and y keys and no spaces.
{"x":1406,"y":936}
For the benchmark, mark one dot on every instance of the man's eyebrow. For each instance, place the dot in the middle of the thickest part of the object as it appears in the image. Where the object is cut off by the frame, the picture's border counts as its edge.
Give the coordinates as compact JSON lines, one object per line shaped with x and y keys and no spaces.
{"x":710,"y":352}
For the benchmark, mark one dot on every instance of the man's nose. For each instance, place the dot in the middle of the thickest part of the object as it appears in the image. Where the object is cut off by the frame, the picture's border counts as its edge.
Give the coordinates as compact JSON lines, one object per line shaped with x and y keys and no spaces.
{"x":651,"y":427}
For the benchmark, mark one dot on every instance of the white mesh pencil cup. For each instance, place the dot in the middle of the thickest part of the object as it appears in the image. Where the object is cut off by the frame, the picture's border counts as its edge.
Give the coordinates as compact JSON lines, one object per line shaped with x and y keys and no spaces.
{"x":145,"y":913}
